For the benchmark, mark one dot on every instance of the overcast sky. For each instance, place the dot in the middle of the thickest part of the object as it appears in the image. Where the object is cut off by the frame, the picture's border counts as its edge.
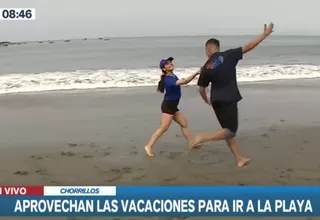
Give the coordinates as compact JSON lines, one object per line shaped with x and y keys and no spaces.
{"x":63,"y":19}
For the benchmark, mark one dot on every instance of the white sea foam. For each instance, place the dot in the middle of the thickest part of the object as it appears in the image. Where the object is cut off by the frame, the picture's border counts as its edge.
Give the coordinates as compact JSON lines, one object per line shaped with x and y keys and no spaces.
{"x":86,"y":79}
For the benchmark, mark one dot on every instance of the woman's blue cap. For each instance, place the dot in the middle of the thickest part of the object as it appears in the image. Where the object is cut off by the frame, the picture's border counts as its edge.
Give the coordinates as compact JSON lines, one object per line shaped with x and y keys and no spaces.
{"x":164,"y":61}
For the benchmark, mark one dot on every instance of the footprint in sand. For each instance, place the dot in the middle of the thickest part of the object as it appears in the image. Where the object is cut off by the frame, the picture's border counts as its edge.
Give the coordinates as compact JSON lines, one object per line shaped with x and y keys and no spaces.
{"x":139,"y":177}
{"x":170,"y":179}
{"x":36,"y":157}
{"x":93,"y":145}
{"x":42,"y":171}
{"x":56,"y":182}
{"x":21,"y":173}
{"x":113,"y":179}
{"x":305,"y":178}
{"x":283,"y":183}
{"x":121,"y":170}
{"x":166,"y":146}
{"x":134,"y":151}
{"x":273,"y":128}
{"x":39,"y":157}
{"x":174,"y":155}
{"x":117,"y":173}
{"x":72,"y":145}
{"x":265,"y":135}
{"x":161,"y":152}
{"x":68,"y":154}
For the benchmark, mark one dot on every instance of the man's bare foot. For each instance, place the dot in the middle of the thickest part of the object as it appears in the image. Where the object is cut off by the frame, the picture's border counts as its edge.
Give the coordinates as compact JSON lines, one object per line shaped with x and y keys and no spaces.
{"x":190,"y":143}
{"x":194,"y":142}
{"x":242,"y":162}
{"x":149,"y":151}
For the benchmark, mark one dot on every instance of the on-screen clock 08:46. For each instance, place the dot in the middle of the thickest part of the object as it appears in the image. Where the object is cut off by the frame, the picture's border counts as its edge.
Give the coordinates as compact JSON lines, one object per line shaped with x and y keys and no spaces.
{"x":17,"y":14}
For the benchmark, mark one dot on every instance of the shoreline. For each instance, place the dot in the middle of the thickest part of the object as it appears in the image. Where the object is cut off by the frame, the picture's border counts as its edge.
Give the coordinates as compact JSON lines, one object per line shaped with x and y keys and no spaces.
{"x":272,"y":82}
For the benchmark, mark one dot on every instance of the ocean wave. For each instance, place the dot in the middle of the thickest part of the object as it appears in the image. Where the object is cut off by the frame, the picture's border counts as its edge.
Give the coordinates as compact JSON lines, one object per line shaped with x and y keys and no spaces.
{"x":88,"y":79}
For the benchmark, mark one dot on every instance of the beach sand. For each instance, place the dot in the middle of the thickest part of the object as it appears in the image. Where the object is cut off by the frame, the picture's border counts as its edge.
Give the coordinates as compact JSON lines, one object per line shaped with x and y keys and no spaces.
{"x":98,"y":138}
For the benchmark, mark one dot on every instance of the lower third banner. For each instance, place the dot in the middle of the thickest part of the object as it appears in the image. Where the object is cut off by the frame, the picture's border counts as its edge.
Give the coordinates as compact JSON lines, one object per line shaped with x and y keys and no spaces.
{"x":159,"y":201}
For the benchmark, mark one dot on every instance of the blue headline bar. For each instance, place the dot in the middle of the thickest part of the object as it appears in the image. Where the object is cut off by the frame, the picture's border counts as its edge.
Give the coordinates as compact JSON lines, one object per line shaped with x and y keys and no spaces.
{"x":173,"y":201}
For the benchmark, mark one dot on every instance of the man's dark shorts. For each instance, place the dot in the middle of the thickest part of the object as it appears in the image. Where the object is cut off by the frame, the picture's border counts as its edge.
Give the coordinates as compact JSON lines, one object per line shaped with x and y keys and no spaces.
{"x":227,"y":114}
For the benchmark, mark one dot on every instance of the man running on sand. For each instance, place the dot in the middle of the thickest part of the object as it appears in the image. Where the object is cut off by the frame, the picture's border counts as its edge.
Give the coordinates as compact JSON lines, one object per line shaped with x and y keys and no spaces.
{"x":220,"y":71}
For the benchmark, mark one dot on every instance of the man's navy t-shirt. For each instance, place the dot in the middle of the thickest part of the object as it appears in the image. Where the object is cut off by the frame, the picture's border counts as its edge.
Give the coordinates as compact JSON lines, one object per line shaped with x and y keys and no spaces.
{"x":173,"y":92}
{"x":220,"y":71}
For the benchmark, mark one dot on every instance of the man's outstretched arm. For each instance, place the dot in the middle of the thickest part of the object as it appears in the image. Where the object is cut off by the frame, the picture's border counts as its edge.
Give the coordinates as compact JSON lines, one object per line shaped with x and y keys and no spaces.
{"x":252,"y":44}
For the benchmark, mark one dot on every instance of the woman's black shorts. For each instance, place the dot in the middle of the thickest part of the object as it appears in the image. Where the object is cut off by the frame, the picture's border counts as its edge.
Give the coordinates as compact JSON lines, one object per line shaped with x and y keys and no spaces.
{"x":170,"y":106}
{"x":227,"y":114}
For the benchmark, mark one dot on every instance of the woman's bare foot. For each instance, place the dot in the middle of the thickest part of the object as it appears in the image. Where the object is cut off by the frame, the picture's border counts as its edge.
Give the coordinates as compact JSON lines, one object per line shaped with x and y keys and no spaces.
{"x":242,"y":162}
{"x":149,"y":151}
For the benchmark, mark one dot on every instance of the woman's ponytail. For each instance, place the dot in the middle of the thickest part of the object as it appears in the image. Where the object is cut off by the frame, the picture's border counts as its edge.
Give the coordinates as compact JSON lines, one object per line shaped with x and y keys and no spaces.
{"x":161,"y":83}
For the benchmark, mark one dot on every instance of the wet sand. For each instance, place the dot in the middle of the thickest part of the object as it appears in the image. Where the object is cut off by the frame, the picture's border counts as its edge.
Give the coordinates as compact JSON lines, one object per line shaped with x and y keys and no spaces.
{"x":98,"y":138}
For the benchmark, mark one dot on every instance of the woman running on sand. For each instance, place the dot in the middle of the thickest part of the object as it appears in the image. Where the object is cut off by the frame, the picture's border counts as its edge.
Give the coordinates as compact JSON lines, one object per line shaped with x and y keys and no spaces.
{"x":170,"y":83}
